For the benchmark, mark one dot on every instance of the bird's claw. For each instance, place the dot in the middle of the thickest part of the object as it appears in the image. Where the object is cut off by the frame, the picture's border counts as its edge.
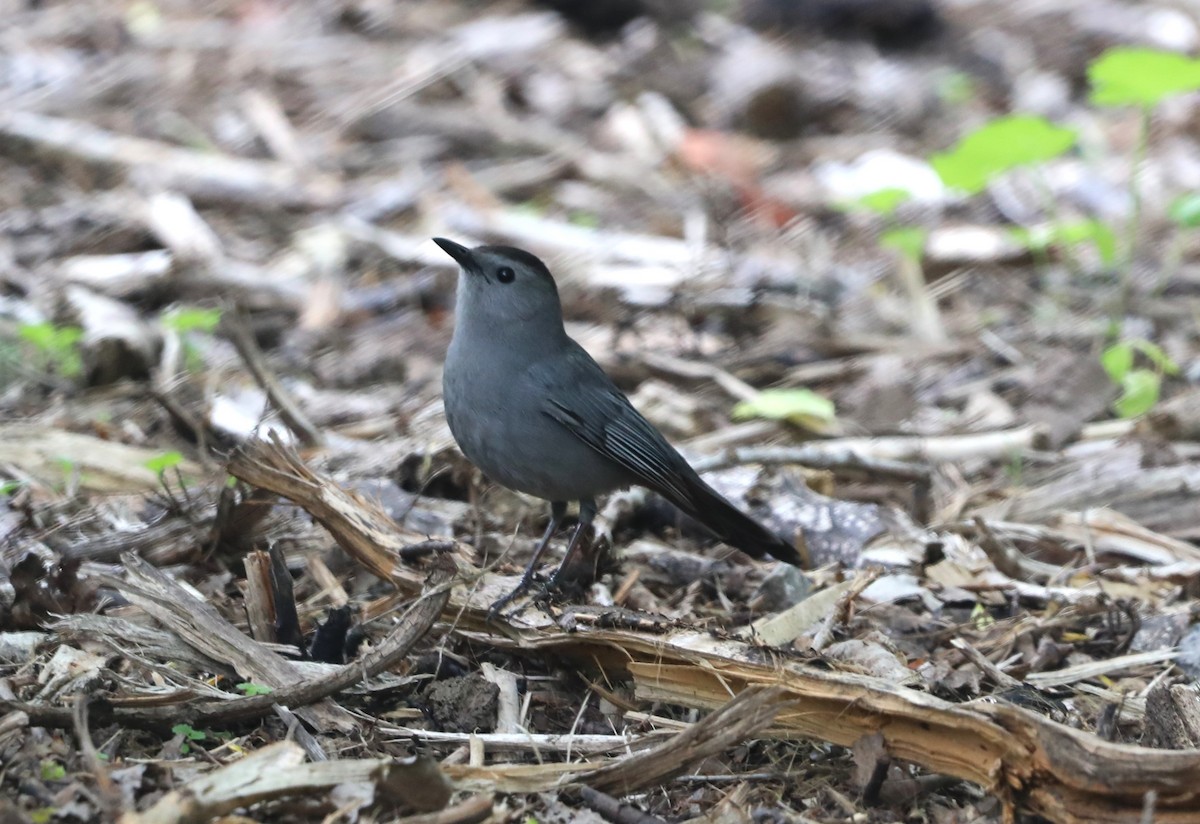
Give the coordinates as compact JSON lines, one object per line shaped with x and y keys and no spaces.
{"x":545,"y":593}
{"x":500,"y":603}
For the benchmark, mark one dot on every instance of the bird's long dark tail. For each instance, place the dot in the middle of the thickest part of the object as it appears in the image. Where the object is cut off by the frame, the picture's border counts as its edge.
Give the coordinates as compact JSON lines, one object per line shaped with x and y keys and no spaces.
{"x":730,"y":524}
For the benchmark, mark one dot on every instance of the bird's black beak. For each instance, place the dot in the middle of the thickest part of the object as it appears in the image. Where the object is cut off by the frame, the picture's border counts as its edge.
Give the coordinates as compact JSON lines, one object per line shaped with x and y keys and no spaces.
{"x":457,"y":251}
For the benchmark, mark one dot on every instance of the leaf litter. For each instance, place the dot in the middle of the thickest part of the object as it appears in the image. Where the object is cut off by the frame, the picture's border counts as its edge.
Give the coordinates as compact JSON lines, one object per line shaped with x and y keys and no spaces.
{"x":245,"y":571}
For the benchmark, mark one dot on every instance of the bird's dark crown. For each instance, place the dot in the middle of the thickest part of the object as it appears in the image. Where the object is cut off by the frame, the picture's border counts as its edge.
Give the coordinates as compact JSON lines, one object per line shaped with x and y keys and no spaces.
{"x":529,"y":261}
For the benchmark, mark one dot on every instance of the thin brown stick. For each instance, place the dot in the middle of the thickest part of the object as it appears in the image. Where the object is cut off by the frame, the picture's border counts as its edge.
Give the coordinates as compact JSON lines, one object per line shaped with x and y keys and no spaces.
{"x":110,"y":796}
{"x":238,"y":331}
{"x":744,"y":716}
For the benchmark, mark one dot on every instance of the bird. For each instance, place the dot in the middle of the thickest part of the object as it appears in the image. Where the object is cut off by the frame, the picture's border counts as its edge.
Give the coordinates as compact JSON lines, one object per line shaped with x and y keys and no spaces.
{"x":534,"y":412}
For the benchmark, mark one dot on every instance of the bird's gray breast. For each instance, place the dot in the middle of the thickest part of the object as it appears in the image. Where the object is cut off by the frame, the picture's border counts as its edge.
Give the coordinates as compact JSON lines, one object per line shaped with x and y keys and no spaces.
{"x":496,"y":412}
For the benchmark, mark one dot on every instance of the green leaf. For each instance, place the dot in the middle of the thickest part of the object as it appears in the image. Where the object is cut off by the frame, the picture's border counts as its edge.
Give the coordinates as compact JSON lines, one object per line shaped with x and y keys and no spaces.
{"x":250,"y":688}
{"x":800,"y":406}
{"x":67,"y":337}
{"x":70,"y":365}
{"x":53,"y":771}
{"x":193,"y":361}
{"x":1139,"y":393}
{"x":1185,"y":211}
{"x":161,"y":463}
{"x":191,"y":319}
{"x":1117,"y":360}
{"x":980,"y":617}
{"x":59,"y":345}
{"x":1155,"y":354}
{"x":51,"y":338}
{"x":1098,"y":233}
{"x":189,"y":732}
{"x":39,"y":334}
{"x":1033,"y":238}
{"x":1041,"y":238}
{"x":1105,"y":241}
{"x":907,"y":240}
{"x":1000,"y":146}
{"x":884,"y":201}
{"x":1129,"y":76}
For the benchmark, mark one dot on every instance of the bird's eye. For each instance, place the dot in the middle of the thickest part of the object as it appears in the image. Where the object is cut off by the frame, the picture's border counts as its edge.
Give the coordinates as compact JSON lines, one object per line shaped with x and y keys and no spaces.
{"x":505,"y":275}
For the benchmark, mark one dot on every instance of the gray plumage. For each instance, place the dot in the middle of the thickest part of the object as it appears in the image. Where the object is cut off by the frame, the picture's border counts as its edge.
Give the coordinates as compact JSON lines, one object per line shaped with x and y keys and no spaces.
{"x":537,"y":414}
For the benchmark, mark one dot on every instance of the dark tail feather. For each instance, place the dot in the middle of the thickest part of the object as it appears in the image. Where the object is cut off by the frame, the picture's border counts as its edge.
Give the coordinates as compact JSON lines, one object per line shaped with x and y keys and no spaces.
{"x":731,"y":525}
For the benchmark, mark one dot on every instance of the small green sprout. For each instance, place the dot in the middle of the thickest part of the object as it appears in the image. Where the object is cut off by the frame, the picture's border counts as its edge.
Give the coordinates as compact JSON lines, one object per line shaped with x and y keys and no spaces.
{"x":1185,"y":211}
{"x":999,"y":146}
{"x":57,"y":346}
{"x":1140,"y":386}
{"x":161,"y":463}
{"x":189,"y":734}
{"x":1141,"y":77}
{"x":884,"y":202}
{"x":1144,"y":78}
{"x":53,"y":771}
{"x":909,"y":241}
{"x":1070,"y":234}
{"x":250,"y":688}
{"x":185,"y":319}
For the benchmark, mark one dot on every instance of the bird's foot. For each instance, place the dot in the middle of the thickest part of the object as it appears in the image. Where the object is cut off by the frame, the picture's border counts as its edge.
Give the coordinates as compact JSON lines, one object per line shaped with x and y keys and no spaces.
{"x":520,"y":589}
{"x":546,"y":591}
{"x":565,"y":578}
{"x":500,"y":603}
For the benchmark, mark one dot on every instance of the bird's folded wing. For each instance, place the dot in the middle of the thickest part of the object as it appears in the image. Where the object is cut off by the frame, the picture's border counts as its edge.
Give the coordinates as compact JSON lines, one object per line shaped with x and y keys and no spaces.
{"x":609,"y":424}
{"x":579,"y":396}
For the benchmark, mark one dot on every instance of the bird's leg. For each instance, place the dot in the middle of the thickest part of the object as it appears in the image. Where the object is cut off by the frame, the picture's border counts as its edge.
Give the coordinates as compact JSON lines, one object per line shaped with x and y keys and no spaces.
{"x":558,"y":509}
{"x":587,"y":514}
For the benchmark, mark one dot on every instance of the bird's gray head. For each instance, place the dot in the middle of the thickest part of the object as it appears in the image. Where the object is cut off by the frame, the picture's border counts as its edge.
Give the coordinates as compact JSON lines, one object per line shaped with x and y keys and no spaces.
{"x":500,"y":286}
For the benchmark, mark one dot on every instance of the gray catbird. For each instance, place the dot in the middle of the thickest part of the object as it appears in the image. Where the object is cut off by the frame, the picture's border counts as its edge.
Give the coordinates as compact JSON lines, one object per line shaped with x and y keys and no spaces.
{"x":535,"y":412}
